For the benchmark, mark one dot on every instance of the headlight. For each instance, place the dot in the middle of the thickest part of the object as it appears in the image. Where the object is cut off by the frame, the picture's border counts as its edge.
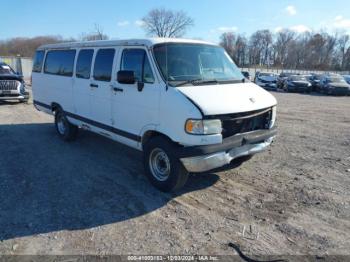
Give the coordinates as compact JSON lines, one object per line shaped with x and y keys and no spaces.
{"x":22,"y":88}
{"x":203,"y":127}
{"x":309,"y":84}
{"x":273,"y":116}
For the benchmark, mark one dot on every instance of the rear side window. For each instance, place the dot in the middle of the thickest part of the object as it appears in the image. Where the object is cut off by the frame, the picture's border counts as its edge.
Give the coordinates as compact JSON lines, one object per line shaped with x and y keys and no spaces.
{"x":103,"y":65}
{"x":60,"y":62}
{"x":136,"y":60}
{"x":83,"y":68}
{"x":38,"y":61}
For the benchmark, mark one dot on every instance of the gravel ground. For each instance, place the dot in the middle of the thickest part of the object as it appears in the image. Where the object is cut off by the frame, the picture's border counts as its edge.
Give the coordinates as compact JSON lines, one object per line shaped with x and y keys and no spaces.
{"x":91,"y":197}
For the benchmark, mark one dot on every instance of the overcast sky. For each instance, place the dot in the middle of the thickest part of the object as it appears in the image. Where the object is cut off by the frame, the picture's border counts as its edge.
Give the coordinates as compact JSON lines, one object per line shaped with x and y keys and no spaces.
{"x":122,"y":19}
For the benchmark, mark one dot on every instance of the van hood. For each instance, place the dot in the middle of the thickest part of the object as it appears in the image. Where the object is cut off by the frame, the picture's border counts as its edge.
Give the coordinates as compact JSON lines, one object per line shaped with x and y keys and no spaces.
{"x":228,"y":98}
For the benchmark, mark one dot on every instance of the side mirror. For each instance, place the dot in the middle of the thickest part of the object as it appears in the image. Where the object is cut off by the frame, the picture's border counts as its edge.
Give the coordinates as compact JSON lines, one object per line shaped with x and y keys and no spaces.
{"x":126,"y":77}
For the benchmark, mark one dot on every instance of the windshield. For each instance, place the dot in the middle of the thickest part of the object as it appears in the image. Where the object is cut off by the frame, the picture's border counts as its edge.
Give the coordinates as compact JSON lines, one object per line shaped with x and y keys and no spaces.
{"x":285,"y":74}
{"x":195,"y":62}
{"x":298,"y":78}
{"x":336,"y":79}
{"x":6,"y":70}
{"x":267,"y":74}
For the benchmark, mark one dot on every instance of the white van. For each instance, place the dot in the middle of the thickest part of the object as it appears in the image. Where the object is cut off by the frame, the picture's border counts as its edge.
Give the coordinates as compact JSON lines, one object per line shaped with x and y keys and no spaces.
{"x":184,"y":103}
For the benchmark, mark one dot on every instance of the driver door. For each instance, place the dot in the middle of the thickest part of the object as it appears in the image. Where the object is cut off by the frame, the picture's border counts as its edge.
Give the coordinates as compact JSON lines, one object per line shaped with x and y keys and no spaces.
{"x":134,"y":109}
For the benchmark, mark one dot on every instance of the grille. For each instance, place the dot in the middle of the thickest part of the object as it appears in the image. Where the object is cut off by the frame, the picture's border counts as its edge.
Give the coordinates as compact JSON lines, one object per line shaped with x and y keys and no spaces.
{"x":246,"y":122}
{"x":8,"y":85}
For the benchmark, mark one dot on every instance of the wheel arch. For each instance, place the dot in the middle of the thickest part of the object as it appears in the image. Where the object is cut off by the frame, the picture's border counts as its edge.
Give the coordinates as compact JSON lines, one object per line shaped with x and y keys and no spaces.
{"x":151,"y":133}
{"x":55,"y":106}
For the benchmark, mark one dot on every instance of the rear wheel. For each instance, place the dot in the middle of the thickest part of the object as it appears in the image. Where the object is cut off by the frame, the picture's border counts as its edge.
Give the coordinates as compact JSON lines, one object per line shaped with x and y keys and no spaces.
{"x":65,"y":130}
{"x":162,"y":167}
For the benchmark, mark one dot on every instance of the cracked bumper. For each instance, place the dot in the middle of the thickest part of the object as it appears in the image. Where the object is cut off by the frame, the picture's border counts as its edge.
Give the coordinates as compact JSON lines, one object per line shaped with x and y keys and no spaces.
{"x":205,"y":158}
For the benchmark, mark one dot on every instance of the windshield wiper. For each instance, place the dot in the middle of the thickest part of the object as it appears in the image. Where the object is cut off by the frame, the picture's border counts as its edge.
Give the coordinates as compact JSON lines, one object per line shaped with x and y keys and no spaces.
{"x":197,"y":82}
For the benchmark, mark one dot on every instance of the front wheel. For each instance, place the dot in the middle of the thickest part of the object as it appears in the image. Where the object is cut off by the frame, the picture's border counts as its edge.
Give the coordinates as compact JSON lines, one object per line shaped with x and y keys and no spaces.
{"x":162,"y":167}
{"x":65,"y":130}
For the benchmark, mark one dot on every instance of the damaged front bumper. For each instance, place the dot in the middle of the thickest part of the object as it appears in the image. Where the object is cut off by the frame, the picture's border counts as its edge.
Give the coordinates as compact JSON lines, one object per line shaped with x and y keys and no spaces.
{"x":14,"y":96}
{"x":204,"y":158}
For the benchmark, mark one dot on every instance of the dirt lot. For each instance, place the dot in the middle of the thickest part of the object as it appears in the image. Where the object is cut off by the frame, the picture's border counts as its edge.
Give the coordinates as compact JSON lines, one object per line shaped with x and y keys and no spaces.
{"x":91,"y":197}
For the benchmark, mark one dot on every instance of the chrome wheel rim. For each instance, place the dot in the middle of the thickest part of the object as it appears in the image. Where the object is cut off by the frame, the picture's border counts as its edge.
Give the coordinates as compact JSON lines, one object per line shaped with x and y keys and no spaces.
{"x":61,"y":125}
{"x":159,"y":163}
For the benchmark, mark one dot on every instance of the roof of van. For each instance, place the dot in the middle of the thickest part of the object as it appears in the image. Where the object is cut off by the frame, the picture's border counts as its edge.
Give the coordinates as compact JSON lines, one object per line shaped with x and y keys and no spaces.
{"x":140,"y":42}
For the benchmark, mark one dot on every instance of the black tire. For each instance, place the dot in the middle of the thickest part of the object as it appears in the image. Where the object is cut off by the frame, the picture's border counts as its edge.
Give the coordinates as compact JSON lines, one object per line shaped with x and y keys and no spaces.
{"x":65,"y":130}
{"x":177,"y":175}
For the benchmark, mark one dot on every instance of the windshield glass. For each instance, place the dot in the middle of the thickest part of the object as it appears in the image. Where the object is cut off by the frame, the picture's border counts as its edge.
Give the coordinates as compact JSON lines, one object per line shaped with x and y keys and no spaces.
{"x":267,"y":74}
{"x":298,"y":78}
{"x":195,"y":62}
{"x":336,"y":79}
{"x":285,"y":74}
{"x":6,"y":70}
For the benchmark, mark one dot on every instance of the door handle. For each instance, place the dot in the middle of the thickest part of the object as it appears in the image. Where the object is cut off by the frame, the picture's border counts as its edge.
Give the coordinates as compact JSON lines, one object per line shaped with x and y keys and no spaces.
{"x":94,"y":85}
{"x":117,"y":89}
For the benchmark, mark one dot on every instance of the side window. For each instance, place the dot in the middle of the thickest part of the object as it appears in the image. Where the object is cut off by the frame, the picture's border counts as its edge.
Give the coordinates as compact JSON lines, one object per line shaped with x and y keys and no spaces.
{"x":136,"y":60}
{"x":60,"y":62}
{"x":38,"y":61}
{"x":103,"y":65}
{"x":83,"y":68}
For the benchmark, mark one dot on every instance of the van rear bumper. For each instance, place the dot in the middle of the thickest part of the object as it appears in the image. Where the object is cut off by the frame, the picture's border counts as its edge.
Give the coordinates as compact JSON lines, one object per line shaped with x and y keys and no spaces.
{"x":204,"y":158}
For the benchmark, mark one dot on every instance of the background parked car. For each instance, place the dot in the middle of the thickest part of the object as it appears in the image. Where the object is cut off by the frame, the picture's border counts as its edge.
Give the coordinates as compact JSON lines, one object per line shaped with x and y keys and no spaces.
{"x":347,"y":78}
{"x":12,"y":86}
{"x":256,"y":75}
{"x":297,"y":83}
{"x":267,"y":81}
{"x":281,"y":78}
{"x":308,"y":78}
{"x":315,"y":82}
{"x":246,"y":75}
{"x":334,"y":85}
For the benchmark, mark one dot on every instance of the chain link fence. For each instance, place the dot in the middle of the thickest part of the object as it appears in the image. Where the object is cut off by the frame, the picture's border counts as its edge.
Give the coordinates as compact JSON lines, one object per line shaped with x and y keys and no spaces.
{"x":253,"y":70}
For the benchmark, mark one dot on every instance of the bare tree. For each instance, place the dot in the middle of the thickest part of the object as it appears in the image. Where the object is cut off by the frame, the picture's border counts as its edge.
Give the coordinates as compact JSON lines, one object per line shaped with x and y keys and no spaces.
{"x":241,"y":51}
{"x":166,"y":23}
{"x":281,"y":46}
{"x":344,"y":45}
{"x":260,"y":45}
{"x":96,"y":34}
{"x":26,"y":46}
{"x":227,"y":41}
